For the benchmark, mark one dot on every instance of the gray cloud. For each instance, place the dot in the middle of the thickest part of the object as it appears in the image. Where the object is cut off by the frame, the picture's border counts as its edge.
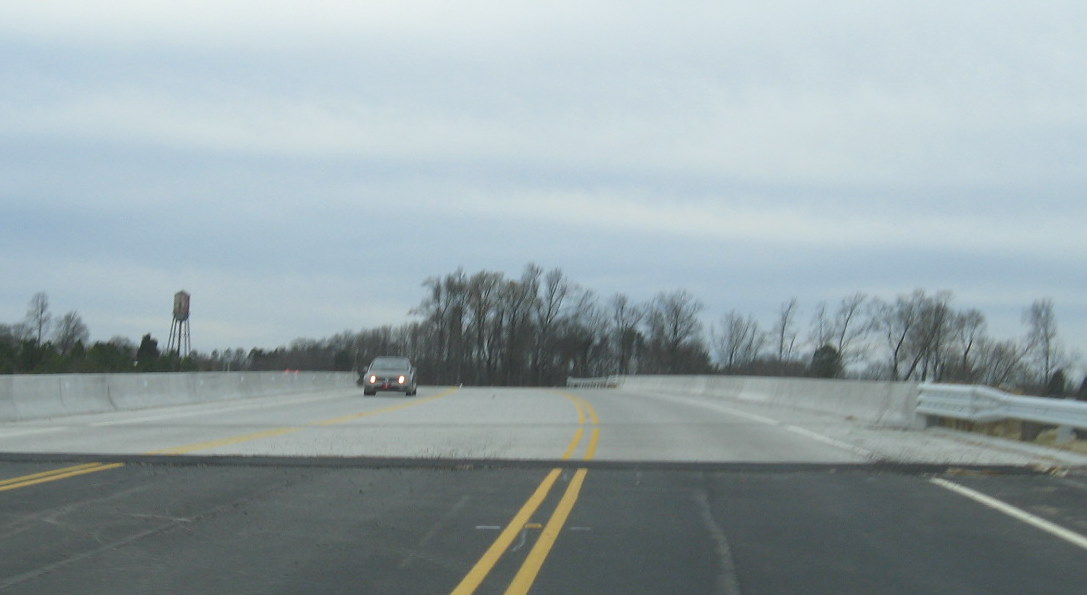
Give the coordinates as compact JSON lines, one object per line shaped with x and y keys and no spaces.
{"x":243,"y":151}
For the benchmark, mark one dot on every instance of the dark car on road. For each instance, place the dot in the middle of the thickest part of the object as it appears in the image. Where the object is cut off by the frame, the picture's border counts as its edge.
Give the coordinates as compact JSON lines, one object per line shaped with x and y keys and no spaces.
{"x":389,"y":373}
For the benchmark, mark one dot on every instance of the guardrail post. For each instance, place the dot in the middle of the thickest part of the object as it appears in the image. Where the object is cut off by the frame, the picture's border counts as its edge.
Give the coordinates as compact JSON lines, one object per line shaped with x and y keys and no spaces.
{"x":1030,"y":430}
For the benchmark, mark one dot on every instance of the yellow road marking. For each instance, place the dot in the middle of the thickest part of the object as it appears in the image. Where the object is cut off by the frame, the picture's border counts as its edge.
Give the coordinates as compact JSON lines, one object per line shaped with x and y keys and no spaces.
{"x":486,"y":563}
{"x":54,"y":475}
{"x":526,"y":576}
{"x":483,"y":567}
{"x":47,"y":473}
{"x":594,"y":441}
{"x":530,"y":568}
{"x":583,"y":407}
{"x":66,"y":472}
{"x":354,"y":416}
{"x":180,"y":450}
{"x":573,"y":444}
{"x":580,"y":411}
{"x":177,"y":450}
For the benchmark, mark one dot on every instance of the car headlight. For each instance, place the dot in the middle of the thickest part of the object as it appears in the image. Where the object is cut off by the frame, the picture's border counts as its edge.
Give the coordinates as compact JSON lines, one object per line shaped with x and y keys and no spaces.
{"x":403,"y":379}
{"x":373,"y":379}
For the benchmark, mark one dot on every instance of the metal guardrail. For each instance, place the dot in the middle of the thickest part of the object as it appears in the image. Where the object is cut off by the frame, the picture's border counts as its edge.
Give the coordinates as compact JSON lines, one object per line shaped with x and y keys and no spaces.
{"x":985,"y":405}
{"x":602,"y":382}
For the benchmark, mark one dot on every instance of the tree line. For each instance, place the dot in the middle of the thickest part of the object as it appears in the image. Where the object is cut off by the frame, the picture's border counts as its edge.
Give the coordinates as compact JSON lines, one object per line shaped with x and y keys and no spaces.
{"x":44,"y":344}
{"x":487,"y":328}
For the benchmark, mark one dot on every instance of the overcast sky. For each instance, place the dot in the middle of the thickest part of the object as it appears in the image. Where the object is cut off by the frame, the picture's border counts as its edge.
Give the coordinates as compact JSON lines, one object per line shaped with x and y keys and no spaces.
{"x":301,"y":167}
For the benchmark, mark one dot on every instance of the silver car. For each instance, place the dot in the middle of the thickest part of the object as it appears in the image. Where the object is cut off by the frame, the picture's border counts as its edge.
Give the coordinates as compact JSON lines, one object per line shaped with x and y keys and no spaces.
{"x":389,"y":373}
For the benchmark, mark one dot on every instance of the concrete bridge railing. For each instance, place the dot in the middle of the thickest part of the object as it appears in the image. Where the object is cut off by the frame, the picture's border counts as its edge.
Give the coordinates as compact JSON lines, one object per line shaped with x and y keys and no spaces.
{"x":888,"y":404}
{"x":37,"y":396}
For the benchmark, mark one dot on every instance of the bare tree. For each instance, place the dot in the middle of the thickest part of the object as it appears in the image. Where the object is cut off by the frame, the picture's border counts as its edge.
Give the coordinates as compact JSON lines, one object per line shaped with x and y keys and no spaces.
{"x":70,"y":331}
{"x":625,"y":318}
{"x":1042,"y":344}
{"x":1000,"y":363}
{"x":822,"y":331}
{"x":913,"y":326}
{"x":443,"y":311}
{"x":38,"y":317}
{"x":849,"y":327}
{"x":785,"y":334}
{"x":518,"y":299}
{"x":739,"y":341}
{"x":968,"y":332}
{"x":675,"y":333}
{"x":929,"y":342}
{"x":583,"y":335}
{"x":484,"y":325}
{"x":549,"y":306}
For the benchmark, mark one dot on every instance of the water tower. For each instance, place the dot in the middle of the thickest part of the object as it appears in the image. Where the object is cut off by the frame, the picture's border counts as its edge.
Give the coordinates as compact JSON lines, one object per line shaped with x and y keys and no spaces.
{"x":180,"y":342}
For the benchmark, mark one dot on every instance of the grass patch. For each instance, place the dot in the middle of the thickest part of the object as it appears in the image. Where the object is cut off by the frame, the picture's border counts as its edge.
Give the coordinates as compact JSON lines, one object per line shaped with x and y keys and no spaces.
{"x":1016,"y":430}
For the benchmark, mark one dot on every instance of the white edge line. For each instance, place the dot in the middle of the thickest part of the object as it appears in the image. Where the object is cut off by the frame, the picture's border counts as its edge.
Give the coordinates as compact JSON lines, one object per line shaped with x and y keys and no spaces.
{"x":1016,"y":513}
{"x":748,"y":416}
{"x":16,"y":433}
{"x":857,"y":450}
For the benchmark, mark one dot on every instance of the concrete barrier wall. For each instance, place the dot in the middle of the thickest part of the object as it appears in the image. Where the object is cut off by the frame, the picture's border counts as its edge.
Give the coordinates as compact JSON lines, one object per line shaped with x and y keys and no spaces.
{"x":37,"y":396}
{"x":890,"y":404}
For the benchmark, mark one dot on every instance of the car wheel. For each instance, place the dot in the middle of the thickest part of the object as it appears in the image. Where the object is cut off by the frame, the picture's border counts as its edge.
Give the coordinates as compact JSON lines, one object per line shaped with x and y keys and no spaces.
{"x":369,"y":393}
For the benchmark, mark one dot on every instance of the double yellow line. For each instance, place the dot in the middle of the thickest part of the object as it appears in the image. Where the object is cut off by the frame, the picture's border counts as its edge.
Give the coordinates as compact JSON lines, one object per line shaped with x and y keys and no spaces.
{"x":530,"y":568}
{"x":54,"y":475}
{"x":180,"y":450}
{"x":66,"y":472}
{"x":588,"y":423}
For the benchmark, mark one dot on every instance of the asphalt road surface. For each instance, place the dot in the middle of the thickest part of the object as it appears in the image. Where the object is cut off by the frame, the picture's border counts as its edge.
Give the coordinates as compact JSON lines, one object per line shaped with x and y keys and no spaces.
{"x":501,"y":490}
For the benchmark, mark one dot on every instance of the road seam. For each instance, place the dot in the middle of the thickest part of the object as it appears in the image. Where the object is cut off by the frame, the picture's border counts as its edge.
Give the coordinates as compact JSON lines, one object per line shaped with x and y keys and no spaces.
{"x":727,"y":581}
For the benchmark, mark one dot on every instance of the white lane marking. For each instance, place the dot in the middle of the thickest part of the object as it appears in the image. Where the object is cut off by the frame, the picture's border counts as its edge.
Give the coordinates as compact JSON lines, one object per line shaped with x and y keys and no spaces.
{"x":14,"y":433}
{"x":736,"y":412}
{"x":206,"y":411}
{"x":752,"y":416}
{"x":863,"y":452}
{"x":717,"y":406}
{"x":857,"y":450}
{"x":1016,"y":513}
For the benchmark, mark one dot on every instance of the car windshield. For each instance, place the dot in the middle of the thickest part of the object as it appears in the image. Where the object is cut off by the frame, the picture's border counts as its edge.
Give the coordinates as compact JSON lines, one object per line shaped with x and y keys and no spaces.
{"x":390,"y":363}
